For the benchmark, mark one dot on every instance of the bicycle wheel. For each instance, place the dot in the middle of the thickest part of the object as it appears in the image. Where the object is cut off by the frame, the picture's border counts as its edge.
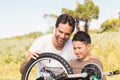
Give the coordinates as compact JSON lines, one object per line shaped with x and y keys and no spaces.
{"x":52,"y":65}
{"x":93,"y":70}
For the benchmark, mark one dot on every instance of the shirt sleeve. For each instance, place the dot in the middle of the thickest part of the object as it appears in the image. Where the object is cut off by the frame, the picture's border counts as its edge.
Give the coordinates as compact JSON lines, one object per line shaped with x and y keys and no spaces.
{"x":37,"y":45}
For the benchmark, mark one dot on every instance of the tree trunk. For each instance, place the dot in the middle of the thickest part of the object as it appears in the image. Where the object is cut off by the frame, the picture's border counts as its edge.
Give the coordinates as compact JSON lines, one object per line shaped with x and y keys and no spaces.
{"x":81,"y":27}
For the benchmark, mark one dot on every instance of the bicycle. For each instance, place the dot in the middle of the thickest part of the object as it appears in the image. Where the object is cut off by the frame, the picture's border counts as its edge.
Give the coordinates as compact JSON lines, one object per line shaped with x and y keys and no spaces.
{"x":54,"y":67}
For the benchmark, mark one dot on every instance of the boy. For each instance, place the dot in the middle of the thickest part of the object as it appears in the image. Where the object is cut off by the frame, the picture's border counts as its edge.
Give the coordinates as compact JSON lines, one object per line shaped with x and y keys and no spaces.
{"x":81,"y":45}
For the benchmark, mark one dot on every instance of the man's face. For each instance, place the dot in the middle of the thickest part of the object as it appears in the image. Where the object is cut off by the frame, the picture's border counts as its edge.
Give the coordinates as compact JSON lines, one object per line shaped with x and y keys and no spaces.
{"x":62,"y":33}
{"x":81,"y":49}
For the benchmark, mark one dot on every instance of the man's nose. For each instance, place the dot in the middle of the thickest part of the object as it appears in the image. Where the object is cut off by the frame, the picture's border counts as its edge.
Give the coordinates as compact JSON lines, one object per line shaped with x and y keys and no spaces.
{"x":63,"y":35}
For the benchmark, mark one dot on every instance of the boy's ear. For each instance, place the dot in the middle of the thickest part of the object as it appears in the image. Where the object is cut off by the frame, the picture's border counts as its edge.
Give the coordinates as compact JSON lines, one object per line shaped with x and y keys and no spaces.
{"x":89,"y":46}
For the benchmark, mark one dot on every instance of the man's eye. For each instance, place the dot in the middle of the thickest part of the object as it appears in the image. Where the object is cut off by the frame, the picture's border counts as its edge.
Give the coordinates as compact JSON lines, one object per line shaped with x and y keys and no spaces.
{"x":67,"y":34}
{"x":60,"y":31}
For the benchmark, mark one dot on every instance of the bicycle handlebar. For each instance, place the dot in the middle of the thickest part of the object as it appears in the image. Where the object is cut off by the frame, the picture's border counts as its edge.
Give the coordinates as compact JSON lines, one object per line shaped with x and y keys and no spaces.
{"x":83,"y":75}
{"x":110,"y":73}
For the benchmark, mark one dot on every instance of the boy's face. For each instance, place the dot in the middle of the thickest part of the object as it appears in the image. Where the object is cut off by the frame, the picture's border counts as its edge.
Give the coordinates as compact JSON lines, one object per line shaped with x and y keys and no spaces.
{"x":81,"y":49}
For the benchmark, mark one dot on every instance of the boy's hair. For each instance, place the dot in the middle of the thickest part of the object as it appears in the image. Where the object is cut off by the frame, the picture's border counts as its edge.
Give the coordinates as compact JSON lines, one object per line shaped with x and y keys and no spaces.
{"x":65,"y":18}
{"x":82,"y":37}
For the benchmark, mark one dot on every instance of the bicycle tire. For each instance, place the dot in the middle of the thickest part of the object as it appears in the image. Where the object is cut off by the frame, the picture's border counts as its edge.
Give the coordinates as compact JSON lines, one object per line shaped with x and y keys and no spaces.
{"x":32,"y":62}
{"x":92,"y":69}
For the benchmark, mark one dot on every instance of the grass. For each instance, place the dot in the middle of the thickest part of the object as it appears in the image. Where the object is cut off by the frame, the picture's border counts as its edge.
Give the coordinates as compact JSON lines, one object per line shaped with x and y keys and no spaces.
{"x":13,"y":51}
{"x":106,"y":47}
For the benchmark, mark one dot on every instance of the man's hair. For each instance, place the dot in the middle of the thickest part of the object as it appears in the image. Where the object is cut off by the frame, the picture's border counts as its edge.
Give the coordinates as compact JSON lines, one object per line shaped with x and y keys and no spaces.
{"x":65,"y":18}
{"x":82,"y":37}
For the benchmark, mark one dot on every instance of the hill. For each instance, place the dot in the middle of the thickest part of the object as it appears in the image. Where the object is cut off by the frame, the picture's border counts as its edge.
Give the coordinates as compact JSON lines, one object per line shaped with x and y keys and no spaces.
{"x":13,"y":51}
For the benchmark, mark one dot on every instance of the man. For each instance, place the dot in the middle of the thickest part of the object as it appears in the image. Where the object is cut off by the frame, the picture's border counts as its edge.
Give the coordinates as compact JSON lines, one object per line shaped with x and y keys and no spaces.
{"x":58,"y":42}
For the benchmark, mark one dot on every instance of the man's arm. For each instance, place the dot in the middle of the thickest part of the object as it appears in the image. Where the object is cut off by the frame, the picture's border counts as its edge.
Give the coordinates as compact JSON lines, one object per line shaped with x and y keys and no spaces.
{"x":33,"y":55}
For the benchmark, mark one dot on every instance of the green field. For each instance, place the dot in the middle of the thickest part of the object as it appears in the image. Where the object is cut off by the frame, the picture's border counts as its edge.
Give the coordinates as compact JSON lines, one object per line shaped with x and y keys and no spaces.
{"x":13,"y":50}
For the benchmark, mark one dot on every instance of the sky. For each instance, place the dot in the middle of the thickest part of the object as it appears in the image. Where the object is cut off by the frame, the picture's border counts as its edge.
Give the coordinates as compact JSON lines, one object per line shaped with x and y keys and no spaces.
{"x":19,"y":17}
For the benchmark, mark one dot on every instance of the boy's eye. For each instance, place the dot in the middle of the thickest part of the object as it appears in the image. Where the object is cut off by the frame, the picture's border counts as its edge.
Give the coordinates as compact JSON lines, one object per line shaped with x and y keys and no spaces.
{"x":74,"y":48}
{"x":79,"y":47}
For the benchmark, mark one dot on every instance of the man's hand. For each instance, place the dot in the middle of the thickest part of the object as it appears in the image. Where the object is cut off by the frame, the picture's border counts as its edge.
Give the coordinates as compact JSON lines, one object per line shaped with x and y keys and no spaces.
{"x":33,"y":55}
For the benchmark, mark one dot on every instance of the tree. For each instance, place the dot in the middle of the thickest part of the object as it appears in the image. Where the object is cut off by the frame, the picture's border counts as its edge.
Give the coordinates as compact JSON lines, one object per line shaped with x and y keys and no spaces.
{"x":50,"y":30}
{"x":111,"y":25}
{"x":83,"y":12}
